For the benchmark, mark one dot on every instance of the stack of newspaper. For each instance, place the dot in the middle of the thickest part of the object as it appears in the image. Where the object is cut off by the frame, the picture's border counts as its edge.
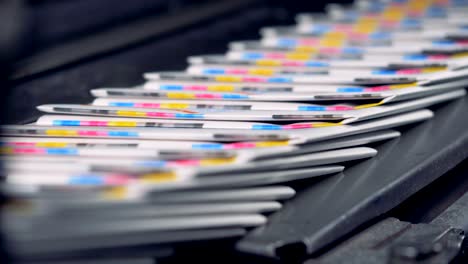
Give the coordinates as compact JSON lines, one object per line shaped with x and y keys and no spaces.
{"x":208,"y":153}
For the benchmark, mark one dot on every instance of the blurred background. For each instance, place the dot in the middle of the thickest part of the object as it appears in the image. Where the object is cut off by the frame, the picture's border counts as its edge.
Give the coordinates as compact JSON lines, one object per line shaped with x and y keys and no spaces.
{"x":56,"y":50}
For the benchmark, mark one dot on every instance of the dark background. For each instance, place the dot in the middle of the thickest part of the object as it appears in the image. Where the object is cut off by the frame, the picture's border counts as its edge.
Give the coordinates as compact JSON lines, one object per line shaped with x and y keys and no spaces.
{"x":55,"y":51}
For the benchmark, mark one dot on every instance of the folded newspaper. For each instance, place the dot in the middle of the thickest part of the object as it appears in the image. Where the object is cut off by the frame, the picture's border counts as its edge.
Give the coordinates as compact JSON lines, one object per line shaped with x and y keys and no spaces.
{"x":208,"y":153}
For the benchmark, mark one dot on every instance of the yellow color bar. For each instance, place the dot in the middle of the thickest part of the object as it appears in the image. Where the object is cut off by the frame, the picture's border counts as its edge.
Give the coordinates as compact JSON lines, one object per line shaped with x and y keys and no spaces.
{"x":51,"y":145}
{"x":331,"y":43}
{"x":403,"y":86}
{"x":221,"y":88}
{"x":217,"y":161}
{"x":368,"y":105}
{"x":261,"y":71}
{"x":223,"y":78}
{"x":175,"y":95}
{"x":130,"y":113}
{"x":159,"y":177}
{"x":115,"y":193}
{"x":335,"y":35}
{"x":56,"y":132}
{"x":297,"y":56}
{"x":306,"y":49}
{"x":393,"y":13}
{"x":122,"y":124}
{"x":174,"y":106}
{"x":324,"y":124}
{"x":268,"y":63}
{"x":433,"y":69}
{"x":6,"y":150}
{"x":365,"y":28}
{"x":269,"y":144}
{"x":460,"y":55}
